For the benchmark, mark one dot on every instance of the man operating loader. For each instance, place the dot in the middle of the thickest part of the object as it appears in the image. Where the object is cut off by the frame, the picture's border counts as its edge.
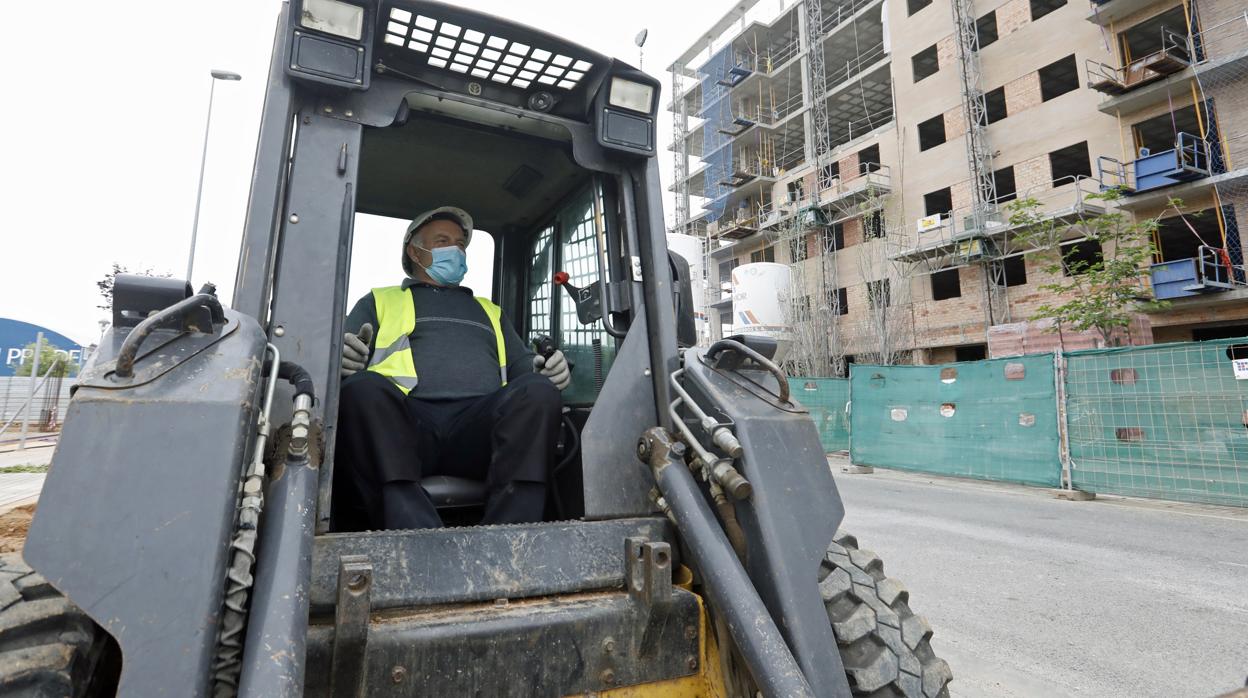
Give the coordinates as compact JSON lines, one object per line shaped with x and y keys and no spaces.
{"x":435,"y":382}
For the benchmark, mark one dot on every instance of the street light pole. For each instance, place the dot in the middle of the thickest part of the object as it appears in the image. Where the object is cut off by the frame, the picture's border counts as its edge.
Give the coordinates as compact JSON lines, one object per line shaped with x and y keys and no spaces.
{"x":203,"y":160}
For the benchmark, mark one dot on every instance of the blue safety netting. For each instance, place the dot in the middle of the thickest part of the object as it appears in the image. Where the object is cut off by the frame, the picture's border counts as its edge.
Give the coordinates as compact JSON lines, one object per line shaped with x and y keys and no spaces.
{"x":717,"y":115}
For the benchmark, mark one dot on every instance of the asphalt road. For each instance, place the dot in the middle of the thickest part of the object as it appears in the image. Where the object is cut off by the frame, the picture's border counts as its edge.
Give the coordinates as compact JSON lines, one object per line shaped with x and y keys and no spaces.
{"x":1034,"y":596}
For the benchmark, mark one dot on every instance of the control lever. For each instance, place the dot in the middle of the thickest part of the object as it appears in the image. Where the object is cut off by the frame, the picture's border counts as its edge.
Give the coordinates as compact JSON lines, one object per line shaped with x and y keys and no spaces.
{"x":588,"y":300}
{"x":545,"y":347}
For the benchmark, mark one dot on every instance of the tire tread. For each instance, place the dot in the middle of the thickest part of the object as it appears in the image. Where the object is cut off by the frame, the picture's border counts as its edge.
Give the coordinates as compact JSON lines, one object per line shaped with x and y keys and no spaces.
{"x":48,"y":646}
{"x":885,"y":647}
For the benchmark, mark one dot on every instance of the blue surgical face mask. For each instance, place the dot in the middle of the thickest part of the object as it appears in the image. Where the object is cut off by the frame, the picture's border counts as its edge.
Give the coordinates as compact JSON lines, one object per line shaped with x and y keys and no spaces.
{"x":448,"y":266}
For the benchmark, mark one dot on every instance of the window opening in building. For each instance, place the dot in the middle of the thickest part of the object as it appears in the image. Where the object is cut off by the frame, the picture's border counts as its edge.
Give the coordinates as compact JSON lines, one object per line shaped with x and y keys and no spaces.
{"x":869,"y":159}
{"x":925,"y":63}
{"x":1040,"y":8}
{"x":913,"y":6}
{"x":932,"y":132}
{"x":878,"y":293}
{"x":1204,"y":334}
{"x":1015,"y":270}
{"x":938,"y":202}
{"x":831,"y":171}
{"x":842,"y":300}
{"x":1176,"y":240}
{"x":1004,"y":182}
{"x":833,"y":237}
{"x":995,"y":102}
{"x":971,"y":352}
{"x":946,"y":284}
{"x":1146,"y":38}
{"x":1081,"y":257}
{"x":873,"y":225}
{"x":725,"y":270}
{"x":796,"y":190}
{"x":1160,"y":133}
{"x":1070,"y":162}
{"x":1058,"y":78}
{"x":767,"y":254}
{"x":986,"y":29}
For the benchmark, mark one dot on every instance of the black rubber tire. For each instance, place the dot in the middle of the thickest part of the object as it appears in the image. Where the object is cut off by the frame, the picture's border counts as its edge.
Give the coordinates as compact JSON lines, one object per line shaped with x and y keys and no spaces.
{"x":885,"y":647}
{"x":48,"y":646}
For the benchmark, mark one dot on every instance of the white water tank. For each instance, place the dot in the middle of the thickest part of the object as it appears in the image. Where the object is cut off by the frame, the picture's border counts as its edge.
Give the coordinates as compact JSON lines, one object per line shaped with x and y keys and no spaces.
{"x":692,"y":249}
{"x":760,"y":295}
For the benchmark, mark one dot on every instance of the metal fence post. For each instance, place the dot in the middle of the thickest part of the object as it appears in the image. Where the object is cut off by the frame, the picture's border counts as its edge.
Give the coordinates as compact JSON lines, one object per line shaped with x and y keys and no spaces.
{"x":1063,"y":432}
{"x":34,"y":385}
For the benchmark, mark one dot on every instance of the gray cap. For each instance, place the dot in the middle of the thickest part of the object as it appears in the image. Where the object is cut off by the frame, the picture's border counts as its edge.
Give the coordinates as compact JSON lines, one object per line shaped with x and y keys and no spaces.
{"x":459,"y":215}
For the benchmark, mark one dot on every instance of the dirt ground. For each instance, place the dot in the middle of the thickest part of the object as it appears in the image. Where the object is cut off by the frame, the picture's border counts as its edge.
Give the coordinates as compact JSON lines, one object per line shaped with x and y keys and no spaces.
{"x":13,"y":526}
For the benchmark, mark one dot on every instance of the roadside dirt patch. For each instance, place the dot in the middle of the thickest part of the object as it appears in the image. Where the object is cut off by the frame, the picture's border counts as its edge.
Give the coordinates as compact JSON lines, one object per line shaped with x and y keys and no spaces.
{"x":13,"y":526}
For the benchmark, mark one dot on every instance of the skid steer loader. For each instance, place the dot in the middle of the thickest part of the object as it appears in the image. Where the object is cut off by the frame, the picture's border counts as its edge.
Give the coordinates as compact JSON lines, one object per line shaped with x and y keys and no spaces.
{"x":183,"y":542}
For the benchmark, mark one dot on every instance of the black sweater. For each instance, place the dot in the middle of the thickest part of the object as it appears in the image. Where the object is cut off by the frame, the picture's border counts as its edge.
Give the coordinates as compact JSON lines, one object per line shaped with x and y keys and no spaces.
{"x":453,"y":344}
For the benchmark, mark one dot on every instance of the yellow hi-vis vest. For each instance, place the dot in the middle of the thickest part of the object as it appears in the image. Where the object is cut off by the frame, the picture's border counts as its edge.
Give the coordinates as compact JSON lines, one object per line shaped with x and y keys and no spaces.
{"x":396,"y":317}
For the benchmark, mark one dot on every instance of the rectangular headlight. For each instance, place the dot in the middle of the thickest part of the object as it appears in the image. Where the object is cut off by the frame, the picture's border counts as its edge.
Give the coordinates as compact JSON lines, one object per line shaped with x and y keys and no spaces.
{"x":631,"y":95}
{"x":333,"y":17}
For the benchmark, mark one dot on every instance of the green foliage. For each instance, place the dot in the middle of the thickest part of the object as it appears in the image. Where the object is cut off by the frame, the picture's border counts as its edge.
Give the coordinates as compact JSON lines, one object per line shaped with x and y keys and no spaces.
{"x":49,"y":356}
{"x":1100,"y":293}
{"x":24,"y":468}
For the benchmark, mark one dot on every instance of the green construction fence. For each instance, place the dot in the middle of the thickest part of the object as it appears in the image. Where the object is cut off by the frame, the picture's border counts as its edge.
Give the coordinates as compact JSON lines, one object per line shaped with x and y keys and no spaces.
{"x":1167,"y":421}
{"x":826,"y":399}
{"x":992,"y":420}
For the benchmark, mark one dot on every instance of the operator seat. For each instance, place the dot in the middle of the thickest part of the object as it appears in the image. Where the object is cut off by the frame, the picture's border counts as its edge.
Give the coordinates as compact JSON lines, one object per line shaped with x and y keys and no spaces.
{"x":449,"y":492}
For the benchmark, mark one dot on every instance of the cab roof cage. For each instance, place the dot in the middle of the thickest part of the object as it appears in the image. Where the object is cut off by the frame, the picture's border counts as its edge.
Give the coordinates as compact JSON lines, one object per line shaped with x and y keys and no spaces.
{"x":434,"y":42}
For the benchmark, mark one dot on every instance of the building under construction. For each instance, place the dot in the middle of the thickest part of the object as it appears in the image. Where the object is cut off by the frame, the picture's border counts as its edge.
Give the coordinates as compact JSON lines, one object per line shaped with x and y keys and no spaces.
{"x":875,"y":148}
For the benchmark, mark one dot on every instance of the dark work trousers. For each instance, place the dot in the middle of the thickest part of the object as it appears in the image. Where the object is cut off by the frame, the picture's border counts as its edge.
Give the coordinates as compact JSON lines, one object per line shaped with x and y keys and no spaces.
{"x":388,"y":441}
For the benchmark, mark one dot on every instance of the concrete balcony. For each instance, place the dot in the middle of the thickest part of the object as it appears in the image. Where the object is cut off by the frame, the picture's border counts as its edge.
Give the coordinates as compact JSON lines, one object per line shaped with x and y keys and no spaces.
{"x":1107,"y":12}
{"x":1152,"y":92}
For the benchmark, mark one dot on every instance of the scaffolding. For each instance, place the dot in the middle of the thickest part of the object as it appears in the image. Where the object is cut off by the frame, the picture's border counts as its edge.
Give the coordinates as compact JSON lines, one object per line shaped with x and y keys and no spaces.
{"x":978,"y":152}
{"x":680,"y":143}
{"x":1222,"y":83}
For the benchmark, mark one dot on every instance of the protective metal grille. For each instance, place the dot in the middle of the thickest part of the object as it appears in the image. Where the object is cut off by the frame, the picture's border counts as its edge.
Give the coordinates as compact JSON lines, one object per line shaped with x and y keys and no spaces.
{"x":471,"y":52}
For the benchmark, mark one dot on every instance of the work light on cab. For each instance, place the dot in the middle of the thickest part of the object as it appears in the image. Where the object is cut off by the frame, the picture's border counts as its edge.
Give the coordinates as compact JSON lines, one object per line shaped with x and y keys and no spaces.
{"x":333,"y":17}
{"x":634,"y":96}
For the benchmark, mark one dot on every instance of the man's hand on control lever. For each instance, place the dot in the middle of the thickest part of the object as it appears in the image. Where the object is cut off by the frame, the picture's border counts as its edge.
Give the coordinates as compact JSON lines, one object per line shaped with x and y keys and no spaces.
{"x":355,"y":350}
{"x":550,"y":362}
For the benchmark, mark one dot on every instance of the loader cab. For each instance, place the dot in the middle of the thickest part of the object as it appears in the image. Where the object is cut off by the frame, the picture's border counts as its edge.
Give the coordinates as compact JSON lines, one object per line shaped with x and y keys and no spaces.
{"x":387,"y":108}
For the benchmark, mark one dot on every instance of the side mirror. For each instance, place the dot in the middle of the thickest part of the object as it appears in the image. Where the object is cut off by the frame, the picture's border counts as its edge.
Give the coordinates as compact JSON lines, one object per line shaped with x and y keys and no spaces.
{"x":686,"y":328}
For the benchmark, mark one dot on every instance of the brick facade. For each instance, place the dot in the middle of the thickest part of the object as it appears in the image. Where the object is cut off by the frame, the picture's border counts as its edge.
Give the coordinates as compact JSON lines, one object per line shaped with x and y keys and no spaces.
{"x":1032,"y":173}
{"x":962,"y":195}
{"x":853,"y":232}
{"x":955,"y":123}
{"x":947,"y":53}
{"x":1023,"y":93}
{"x":1012,"y":15}
{"x":848,"y":166}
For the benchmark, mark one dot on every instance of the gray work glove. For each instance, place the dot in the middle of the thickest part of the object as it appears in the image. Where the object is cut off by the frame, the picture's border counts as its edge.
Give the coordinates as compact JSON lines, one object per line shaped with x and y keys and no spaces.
{"x":355,"y":350}
{"x":555,"y":368}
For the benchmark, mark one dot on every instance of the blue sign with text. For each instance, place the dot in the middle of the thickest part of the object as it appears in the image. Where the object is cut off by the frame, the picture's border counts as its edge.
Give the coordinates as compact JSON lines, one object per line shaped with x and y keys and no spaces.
{"x":16,"y":336}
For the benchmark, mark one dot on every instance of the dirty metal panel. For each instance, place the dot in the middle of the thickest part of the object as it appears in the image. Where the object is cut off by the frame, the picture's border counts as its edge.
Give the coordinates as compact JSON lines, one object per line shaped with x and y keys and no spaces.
{"x":457,"y":565}
{"x":792,"y":515}
{"x":539,"y":647}
{"x":616,"y":483}
{"x":136,"y":514}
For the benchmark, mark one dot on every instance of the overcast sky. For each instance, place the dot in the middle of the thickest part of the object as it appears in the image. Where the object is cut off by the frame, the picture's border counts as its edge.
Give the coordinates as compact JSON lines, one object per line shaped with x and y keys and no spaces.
{"x":105,"y":119}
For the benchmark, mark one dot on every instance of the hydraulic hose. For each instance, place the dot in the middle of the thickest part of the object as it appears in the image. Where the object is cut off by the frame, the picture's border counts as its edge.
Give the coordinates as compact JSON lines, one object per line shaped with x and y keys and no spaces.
{"x":276,"y":646}
{"x":732,"y":594}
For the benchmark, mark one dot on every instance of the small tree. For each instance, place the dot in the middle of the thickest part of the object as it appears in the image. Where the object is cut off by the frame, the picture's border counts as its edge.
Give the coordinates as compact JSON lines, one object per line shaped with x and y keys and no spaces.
{"x":61,"y":366}
{"x":106,"y":284}
{"x":1100,"y":292}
